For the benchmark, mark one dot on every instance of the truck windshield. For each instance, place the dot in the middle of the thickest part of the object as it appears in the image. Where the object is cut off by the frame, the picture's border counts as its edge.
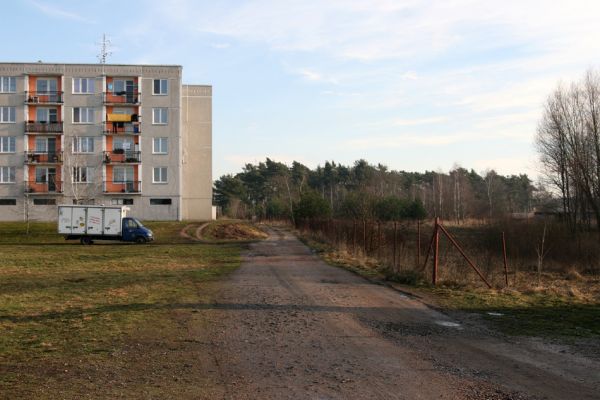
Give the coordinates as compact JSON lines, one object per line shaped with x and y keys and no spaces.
{"x":137,"y":221}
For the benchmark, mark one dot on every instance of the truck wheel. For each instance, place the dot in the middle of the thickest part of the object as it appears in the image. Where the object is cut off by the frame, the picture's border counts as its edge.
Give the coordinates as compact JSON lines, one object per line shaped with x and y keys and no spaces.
{"x":140,"y":240}
{"x":86,"y":240}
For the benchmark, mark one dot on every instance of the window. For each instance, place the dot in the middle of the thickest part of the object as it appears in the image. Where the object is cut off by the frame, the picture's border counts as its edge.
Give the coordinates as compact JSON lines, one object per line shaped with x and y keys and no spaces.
{"x":44,"y":114}
{"x":160,"y":175}
{"x":7,"y":174}
{"x":46,"y":85}
{"x":83,"y":115}
{"x":44,"y":202}
{"x":159,"y":145}
{"x":81,"y":175}
{"x":160,"y":201}
{"x":122,"y":174}
{"x":159,"y":116}
{"x":83,"y":144}
{"x":84,"y":201}
{"x":122,"y":143}
{"x":121,"y":202}
{"x":83,"y":85}
{"x":8,"y":114}
{"x":41,"y":175}
{"x":8,"y":202}
{"x":161,"y":86}
{"x":8,"y":84}
{"x":41,"y":145}
{"x":7,"y":144}
{"x":122,"y":110}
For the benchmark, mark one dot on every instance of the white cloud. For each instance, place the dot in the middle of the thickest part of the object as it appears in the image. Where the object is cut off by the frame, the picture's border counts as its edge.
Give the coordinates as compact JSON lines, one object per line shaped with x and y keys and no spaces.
{"x":55,"y":11}
{"x":409,"y":140}
{"x":419,"y":121}
{"x":507,"y":165}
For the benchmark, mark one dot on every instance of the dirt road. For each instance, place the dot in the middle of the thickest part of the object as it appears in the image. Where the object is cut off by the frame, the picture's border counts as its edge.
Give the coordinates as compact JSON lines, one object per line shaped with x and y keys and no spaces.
{"x":288,"y":326}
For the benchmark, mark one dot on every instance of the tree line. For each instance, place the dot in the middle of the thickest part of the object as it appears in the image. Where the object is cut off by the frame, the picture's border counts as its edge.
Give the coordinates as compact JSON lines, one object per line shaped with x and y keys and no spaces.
{"x":274,"y":190}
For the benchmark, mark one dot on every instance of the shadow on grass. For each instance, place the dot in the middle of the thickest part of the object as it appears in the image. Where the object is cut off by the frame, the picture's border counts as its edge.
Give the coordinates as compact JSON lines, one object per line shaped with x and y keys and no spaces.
{"x":581,"y":320}
{"x":136,"y":307}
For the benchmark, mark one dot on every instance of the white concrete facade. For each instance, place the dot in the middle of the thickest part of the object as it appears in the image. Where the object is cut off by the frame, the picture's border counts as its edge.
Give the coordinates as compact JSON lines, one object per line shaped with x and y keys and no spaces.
{"x":104,"y":134}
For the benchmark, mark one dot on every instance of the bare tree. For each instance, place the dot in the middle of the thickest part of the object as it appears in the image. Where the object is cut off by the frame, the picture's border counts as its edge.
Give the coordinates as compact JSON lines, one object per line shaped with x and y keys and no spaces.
{"x":568,"y":140}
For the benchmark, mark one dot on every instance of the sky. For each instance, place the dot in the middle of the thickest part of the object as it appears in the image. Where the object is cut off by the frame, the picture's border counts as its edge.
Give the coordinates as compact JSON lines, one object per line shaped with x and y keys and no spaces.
{"x":414,"y":85}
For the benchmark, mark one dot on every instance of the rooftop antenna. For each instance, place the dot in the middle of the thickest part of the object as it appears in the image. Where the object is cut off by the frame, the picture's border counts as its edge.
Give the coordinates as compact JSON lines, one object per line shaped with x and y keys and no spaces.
{"x":104,"y":49}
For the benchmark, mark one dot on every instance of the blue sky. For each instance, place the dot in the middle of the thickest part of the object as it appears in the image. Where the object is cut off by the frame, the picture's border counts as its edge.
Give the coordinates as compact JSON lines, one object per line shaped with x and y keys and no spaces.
{"x":414,"y":85}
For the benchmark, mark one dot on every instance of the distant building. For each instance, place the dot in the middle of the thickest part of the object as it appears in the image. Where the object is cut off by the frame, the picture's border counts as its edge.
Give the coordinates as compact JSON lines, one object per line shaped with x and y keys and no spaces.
{"x":104,"y":134}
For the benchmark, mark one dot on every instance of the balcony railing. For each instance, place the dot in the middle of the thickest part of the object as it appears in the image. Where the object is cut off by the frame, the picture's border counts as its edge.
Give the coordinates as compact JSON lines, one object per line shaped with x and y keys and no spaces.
{"x":133,"y":98}
{"x":120,"y":156}
{"x":43,"y":97}
{"x":127,"y":128}
{"x":43,"y":157}
{"x":44,"y":127}
{"x":122,"y":187}
{"x":44,"y":187}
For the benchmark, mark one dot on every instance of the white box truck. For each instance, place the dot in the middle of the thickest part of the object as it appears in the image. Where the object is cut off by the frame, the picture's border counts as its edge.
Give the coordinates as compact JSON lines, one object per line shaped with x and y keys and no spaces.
{"x":89,"y":223}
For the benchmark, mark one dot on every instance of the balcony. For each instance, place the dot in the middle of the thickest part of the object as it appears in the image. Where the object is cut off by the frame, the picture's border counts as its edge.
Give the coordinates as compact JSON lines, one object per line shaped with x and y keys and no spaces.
{"x":41,"y":157}
{"x":122,"y":98}
{"x":130,"y":187}
{"x":44,"y":97}
{"x":50,"y":186}
{"x":44,"y":127}
{"x":122,"y":128}
{"x":120,"y":156}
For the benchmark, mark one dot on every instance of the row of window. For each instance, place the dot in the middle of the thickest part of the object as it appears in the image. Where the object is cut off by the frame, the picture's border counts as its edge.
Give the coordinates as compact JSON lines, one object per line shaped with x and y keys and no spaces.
{"x":120,"y":174}
{"x":83,"y":144}
{"x":8,"y":84}
{"x":114,"y":202}
{"x":81,"y":115}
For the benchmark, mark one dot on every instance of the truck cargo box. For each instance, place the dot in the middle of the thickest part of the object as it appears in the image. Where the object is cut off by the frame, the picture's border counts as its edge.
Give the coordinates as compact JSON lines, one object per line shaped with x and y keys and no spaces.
{"x":90,"y":220}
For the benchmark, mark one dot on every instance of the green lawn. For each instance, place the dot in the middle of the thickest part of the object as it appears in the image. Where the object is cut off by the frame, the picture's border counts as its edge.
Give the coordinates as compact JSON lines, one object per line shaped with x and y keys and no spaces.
{"x":60,"y":298}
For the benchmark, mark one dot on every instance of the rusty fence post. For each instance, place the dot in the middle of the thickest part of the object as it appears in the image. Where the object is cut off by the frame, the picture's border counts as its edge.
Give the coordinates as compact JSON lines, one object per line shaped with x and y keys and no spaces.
{"x":365,"y":236}
{"x":394,"y":246}
{"x":460,"y":250}
{"x":418,"y":242}
{"x":504,"y":256}
{"x":354,"y":237}
{"x":379,"y":240}
{"x":436,"y":244}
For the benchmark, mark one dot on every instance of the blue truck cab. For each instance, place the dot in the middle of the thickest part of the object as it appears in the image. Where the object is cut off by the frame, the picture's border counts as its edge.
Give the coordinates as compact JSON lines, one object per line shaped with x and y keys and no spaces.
{"x":134,"y":231}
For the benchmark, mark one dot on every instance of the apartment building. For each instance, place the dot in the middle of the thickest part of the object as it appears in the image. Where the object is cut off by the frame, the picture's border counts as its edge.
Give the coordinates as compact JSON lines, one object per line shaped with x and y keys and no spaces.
{"x":104,"y":134}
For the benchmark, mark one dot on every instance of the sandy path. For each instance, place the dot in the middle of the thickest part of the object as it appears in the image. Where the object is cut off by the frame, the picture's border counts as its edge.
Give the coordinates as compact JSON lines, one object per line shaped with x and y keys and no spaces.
{"x":286,"y":325}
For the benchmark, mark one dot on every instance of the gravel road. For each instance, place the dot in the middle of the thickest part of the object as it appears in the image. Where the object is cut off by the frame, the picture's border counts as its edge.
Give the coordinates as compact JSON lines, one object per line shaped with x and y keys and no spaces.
{"x":288,"y":326}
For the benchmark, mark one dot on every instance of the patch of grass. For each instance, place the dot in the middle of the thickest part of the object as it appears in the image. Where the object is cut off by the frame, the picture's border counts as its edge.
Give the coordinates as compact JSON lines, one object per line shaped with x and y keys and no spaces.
{"x":530,"y":314}
{"x":60,"y":299}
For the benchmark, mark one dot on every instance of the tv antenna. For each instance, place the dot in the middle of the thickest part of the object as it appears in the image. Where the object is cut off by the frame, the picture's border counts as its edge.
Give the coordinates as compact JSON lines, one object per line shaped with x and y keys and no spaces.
{"x":104,"y":49}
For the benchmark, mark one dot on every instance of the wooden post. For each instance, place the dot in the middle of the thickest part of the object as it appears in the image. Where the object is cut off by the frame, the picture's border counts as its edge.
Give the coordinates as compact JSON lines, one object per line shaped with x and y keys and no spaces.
{"x":505,"y":264}
{"x":365,"y":236}
{"x":436,"y":243}
{"x":394,"y":246}
{"x":354,"y":238}
{"x":379,"y":240}
{"x":418,"y":242}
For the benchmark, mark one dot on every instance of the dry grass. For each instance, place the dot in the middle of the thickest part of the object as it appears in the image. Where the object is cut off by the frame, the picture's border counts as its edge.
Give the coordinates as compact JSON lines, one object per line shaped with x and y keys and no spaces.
{"x":60,"y":298}
{"x":232,"y":230}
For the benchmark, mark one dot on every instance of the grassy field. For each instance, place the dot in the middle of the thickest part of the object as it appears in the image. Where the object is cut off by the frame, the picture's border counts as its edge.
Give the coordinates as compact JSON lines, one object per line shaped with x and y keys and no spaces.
{"x":62,"y":299}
